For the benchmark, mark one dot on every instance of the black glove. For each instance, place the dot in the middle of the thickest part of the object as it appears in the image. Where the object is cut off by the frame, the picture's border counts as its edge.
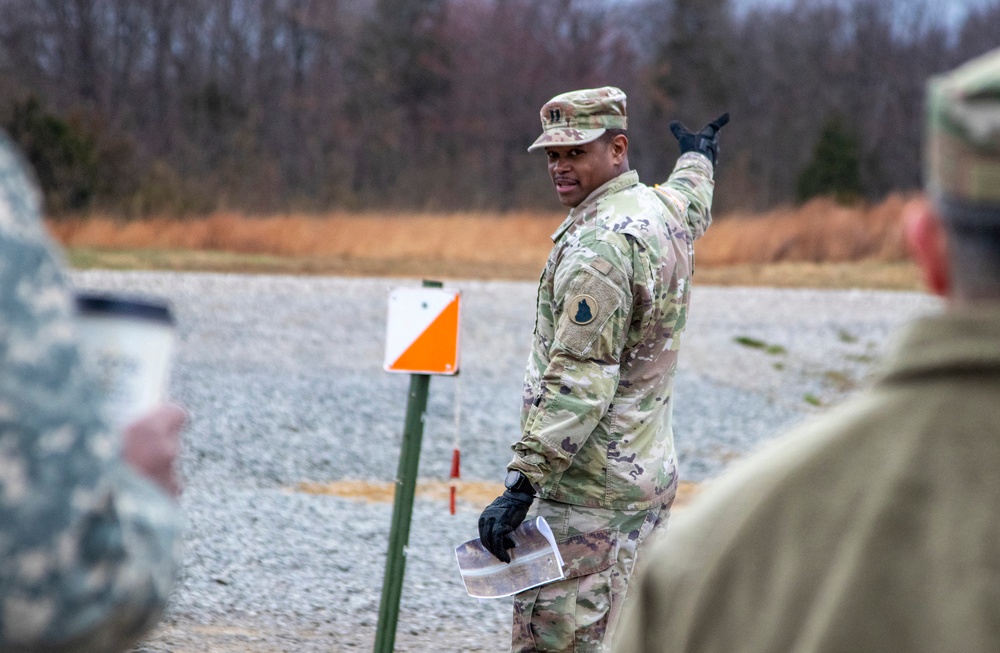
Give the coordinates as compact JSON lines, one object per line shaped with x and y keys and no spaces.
{"x":500,"y":519}
{"x":706,"y":141}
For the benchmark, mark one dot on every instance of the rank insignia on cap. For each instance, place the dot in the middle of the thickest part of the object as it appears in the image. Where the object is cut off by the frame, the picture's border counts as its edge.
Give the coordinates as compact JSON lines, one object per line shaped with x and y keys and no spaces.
{"x":582,"y":309}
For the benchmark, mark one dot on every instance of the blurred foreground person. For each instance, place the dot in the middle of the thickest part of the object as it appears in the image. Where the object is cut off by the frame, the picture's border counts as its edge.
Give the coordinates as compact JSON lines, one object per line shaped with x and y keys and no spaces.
{"x":87,"y":542}
{"x":874,"y":527}
{"x":597,"y":446}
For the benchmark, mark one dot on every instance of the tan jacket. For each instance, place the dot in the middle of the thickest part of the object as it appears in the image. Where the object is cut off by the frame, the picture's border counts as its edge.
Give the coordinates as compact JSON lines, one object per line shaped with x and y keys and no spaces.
{"x":873,"y":528}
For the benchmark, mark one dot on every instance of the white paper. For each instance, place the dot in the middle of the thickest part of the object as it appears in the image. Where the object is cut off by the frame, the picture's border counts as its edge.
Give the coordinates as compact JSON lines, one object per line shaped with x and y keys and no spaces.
{"x":535,"y":560}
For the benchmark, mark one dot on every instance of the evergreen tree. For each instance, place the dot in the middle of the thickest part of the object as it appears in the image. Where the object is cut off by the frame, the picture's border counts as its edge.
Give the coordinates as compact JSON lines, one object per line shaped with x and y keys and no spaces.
{"x":835,"y":168}
{"x":64,"y":158}
{"x":397,"y":76}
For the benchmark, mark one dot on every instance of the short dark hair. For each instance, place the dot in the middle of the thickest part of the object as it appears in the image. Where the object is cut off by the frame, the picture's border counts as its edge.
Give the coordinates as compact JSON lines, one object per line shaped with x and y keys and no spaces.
{"x":973,"y":248}
{"x":609,"y":134}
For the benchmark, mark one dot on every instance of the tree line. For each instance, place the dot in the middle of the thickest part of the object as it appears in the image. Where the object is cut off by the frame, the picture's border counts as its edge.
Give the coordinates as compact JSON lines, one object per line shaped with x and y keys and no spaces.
{"x":191,"y":106}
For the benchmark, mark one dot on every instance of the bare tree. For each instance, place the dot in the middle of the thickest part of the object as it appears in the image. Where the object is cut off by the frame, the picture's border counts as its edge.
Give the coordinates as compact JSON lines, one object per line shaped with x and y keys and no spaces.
{"x":264,"y":105}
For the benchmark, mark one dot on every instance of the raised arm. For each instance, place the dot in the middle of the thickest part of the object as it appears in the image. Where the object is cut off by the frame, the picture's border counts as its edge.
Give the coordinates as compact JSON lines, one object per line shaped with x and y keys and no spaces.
{"x":690,"y":187}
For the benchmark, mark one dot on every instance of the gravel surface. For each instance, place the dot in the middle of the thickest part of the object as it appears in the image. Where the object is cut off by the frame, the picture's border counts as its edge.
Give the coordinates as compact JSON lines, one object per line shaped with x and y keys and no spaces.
{"x":283,"y":380}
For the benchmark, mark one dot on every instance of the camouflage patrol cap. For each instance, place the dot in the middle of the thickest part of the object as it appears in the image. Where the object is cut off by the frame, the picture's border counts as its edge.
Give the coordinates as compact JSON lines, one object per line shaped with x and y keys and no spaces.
{"x":962,"y":158}
{"x":580,"y":117}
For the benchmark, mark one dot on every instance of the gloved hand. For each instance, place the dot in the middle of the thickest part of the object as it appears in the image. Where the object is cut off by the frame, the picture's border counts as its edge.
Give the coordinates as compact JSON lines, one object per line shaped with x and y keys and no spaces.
{"x":500,"y":519}
{"x":706,"y":141}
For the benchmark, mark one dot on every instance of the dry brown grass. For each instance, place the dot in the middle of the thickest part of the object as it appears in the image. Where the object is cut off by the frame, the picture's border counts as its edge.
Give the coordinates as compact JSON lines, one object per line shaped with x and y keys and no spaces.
{"x":484,"y":238}
{"x":738,"y":249}
{"x":819,"y":231}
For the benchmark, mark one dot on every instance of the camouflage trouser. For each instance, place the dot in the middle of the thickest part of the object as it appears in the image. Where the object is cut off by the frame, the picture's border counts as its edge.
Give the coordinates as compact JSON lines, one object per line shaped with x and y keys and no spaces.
{"x":599,"y":549}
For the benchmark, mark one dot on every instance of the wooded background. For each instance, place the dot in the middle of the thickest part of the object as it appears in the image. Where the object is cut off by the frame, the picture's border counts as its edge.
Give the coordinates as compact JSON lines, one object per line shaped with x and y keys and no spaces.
{"x":178,"y":107}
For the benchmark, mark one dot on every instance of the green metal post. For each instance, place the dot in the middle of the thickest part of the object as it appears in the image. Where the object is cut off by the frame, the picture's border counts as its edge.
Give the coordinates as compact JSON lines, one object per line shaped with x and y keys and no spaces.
{"x":402,"y":509}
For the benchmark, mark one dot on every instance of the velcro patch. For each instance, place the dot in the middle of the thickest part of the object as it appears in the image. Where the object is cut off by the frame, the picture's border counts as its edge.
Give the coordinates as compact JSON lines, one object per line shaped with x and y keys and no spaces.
{"x":589,"y":304}
{"x":601,"y":265}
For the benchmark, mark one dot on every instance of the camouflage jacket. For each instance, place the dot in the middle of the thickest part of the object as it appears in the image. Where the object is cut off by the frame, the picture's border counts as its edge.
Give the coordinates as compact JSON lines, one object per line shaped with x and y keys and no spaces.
{"x":87,"y":548}
{"x":612,"y":304}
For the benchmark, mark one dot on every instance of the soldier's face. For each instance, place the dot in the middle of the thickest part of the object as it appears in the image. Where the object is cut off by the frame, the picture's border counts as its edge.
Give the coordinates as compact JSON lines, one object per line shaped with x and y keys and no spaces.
{"x":578,"y":170}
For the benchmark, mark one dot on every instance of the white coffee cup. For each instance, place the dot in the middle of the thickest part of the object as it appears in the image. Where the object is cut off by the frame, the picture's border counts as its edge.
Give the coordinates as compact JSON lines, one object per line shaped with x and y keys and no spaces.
{"x":128,"y":342}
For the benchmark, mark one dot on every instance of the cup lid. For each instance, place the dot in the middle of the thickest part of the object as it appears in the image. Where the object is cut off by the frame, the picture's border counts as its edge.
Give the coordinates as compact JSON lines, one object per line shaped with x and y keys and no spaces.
{"x":107,"y":304}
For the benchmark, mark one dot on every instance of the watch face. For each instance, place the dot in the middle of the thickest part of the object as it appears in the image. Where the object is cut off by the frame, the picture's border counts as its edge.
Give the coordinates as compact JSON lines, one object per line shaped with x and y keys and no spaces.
{"x":511,"y":479}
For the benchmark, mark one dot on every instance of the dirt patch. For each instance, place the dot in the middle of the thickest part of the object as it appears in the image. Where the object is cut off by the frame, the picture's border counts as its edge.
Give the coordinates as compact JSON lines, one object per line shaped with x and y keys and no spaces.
{"x":476,"y":494}
{"x":182,"y":636}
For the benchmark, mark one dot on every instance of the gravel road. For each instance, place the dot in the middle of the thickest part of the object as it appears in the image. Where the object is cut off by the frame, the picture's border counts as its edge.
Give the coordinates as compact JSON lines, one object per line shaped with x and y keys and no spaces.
{"x":283,"y":379}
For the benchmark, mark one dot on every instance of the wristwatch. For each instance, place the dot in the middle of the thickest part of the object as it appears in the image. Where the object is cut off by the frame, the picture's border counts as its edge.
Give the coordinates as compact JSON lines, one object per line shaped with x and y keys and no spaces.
{"x":515,"y":481}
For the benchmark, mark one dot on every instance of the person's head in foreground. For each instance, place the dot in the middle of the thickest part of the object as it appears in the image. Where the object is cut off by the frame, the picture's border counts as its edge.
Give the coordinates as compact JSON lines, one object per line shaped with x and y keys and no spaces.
{"x":955,"y":234}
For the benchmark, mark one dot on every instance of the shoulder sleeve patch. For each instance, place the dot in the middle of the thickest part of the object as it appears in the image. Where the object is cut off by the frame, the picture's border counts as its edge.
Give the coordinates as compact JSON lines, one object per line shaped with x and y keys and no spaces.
{"x":585,"y":311}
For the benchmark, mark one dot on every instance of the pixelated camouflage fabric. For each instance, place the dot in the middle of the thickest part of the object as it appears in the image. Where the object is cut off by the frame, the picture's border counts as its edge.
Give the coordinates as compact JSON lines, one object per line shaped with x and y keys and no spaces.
{"x":87,"y":549}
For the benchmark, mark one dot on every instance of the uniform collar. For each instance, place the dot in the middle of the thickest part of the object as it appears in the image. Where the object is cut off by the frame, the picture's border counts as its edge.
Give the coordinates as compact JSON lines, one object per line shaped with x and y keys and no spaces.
{"x":957,"y":339}
{"x":579,"y":212}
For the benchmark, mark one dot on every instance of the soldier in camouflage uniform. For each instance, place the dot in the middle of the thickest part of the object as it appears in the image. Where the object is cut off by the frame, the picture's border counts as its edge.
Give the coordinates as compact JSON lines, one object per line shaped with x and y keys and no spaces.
{"x":87,"y":545}
{"x":873,"y":527}
{"x":596,"y":444}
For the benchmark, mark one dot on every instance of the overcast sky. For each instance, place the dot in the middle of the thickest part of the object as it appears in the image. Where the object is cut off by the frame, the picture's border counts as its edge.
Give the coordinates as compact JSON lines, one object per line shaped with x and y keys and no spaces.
{"x":954,"y":10}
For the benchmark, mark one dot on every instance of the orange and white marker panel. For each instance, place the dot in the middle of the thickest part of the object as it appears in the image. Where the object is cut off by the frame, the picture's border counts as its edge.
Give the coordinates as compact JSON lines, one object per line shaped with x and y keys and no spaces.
{"x":422,"y":331}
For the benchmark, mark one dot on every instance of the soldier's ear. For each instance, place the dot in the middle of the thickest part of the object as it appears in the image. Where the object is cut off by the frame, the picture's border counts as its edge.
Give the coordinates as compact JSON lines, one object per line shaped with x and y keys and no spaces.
{"x":619,"y":148}
{"x":928,"y":244}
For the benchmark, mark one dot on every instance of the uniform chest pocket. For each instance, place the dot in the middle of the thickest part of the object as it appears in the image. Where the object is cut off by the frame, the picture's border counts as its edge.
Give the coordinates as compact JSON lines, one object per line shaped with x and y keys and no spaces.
{"x":589,"y":303}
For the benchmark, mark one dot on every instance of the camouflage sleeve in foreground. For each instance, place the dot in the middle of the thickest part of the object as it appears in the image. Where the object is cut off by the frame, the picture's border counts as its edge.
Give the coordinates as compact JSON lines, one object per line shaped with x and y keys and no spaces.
{"x":689,"y":192}
{"x":88,"y":550}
